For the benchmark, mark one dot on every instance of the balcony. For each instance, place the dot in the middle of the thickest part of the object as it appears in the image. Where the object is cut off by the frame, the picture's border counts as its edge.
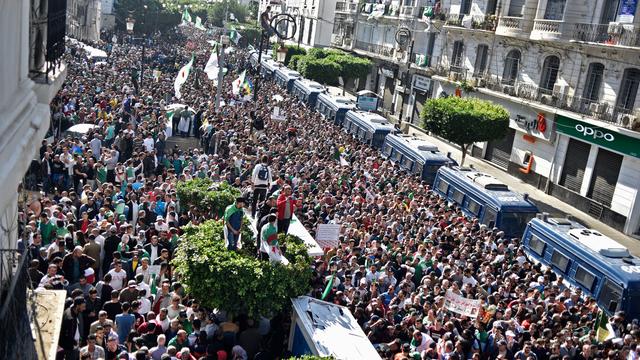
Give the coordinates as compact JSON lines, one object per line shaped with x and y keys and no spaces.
{"x":549,"y":30}
{"x":513,"y":26}
{"x":613,"y":34}
{"x":383,"y":50}
{"x":340,"y":40}
{"x":411,"y":12}
{"x":345,"y":6}
{"x":486,"y":22}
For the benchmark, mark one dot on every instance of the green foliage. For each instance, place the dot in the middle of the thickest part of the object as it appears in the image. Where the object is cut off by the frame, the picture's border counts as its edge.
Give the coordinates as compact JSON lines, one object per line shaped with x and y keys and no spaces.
{"x":217,"y":11}
{"x":291,"y":51}
{"x":207,"y":196}
{"x":322,"y":70}
{"x":464,"y":121}
{"x":295,"y":59}
{"x":153,"y":17}
{"x":235,"y":281}
{"x":353,"y":67}
{"x":250,"y":34}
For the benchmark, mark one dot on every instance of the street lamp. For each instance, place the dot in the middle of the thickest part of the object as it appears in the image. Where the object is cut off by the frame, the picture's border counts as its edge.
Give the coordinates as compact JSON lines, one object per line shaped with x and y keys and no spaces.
{"x":131,"y":22}
{"x":272,"y":27}
{"x":281,"y":53}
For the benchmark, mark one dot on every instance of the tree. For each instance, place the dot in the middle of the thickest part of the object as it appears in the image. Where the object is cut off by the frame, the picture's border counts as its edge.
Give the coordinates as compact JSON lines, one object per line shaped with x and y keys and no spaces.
{"x":291,"y":52}
{"x":207,"y":196}
{"x":326,"y":65}
{"x":236,"y":281}
{"x":464,"y":121}
{"x":220,"y":11}
{"x":153,"y":17}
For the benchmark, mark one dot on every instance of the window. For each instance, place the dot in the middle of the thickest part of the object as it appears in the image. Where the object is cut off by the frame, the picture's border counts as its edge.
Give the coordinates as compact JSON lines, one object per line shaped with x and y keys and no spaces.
{"x":609,"y":11}
{"x":628,"y":89}
{"x":458,"y":196}
{"x":610,"y":295}
{"x":559,"y":261}
{"x":575,"y":163}
{"x":481,"y":60}
{"x":536,"y":245}
{"x":396,"y":156}
{"x":511,"y":65}
{"x":554,"y":10}
{"x":594,"y":82}
{"x":585,"y":278}
{"x":386,"y":150}
{"x":417,"y":169}
{"x":514,"y":223}
{"x":489,"y":217}
{"x":457,"y":56}
{"x":407,"y":163}
{"x":465,"y":8}
{"x":310,"y":32}
{"x":549,"y":73}
{"x":473,"y":207}
{"x":516,"y":8}
{"x":443,"y":186}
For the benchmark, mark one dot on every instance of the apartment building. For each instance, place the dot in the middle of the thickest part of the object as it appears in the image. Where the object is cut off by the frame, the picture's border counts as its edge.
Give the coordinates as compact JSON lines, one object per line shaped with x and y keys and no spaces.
{"x":313,"y":20}
{"x":568,"y":72}
{"x":83,"y":19}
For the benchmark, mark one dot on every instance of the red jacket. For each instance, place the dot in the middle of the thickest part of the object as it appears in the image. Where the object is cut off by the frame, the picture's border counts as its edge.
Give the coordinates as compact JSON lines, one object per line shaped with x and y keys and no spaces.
{"x":281,"y":203}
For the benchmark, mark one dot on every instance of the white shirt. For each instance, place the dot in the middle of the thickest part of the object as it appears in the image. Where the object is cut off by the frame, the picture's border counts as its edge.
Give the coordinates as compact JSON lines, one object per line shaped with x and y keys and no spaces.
{"x":254,"y":176}
{"x":118,"y":279}
{"x":145,"y":306}
{"x":148,"y":144}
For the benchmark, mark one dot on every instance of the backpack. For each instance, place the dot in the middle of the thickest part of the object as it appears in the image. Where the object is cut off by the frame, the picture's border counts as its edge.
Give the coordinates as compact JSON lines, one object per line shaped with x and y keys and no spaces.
{"x":263,"y":173}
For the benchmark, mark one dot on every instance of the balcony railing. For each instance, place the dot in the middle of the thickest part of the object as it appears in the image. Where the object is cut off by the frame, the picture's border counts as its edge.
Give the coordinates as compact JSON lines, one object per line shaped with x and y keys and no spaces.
{"x":411,"y":11}
{"x":487,"y":22}
{"x":548,"y":26}
{"x":341,"y":40}
{"x":345,"y":6}
{"x":607,"y":34}
{"x":48,"y":46}
{"x":384,"y":50}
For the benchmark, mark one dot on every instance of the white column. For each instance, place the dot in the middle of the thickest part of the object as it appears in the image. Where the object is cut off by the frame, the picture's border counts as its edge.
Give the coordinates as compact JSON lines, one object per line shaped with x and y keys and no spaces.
{"x":588,"y":170}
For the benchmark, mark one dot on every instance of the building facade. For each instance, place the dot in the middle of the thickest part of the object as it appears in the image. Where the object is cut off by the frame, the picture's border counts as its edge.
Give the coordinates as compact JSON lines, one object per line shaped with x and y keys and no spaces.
{"x":107,"y":15}
{"x":313,"y":20}
{"x":568,"y":72}
{"x":84,"y":19}
{"x":31,"y":72}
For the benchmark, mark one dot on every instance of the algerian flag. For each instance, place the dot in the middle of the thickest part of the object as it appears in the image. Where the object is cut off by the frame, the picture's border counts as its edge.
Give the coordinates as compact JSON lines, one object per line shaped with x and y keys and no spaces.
{"x":237,"y":83}
{"x":604,"y":330}
{"x":327,"y":290}
{"x":235,"y":36}
{"x":199,"y":24}
{"x":183,"y":74}
{"x":186,"y":17}
{"x":212,"y":68}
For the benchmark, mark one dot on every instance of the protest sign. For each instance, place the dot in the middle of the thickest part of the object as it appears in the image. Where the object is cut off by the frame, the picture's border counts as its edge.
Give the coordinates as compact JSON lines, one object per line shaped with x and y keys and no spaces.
{"x":327,"y":235}
{"x":463,"y":306}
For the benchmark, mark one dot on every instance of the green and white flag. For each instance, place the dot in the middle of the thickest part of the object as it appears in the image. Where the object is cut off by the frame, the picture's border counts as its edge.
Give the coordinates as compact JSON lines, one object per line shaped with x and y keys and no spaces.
{"x":235,"y":36}
{"x":237,"y":83}
{"x":199,"y":25}
{"x":212,"y":68}
{"x":186,"y":17}
{"x":327,"y":290}
{"x":183,"y":74}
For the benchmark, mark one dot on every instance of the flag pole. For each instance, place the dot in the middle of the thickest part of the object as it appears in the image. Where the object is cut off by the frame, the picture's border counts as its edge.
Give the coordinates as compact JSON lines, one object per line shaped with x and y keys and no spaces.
{"x":224,"y":40}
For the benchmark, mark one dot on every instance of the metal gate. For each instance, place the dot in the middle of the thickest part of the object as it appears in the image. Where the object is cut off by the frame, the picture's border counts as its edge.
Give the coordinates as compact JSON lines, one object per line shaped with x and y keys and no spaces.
{"x":575,"y":162}
{"x":499,"y":151}
{"x":605,"y":177}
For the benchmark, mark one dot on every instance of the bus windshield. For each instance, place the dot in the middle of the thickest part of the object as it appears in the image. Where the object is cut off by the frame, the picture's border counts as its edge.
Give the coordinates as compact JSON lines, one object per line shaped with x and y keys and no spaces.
{"x":513,"y":223}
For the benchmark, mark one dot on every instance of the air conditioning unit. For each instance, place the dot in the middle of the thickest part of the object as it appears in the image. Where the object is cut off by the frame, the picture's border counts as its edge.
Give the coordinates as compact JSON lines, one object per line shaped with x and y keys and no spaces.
{"x":635,"y":125}
{"x":596,"y":108}
{"x":626,"y":120}
{"x":547,"y":99}
{"x":509,"y":90}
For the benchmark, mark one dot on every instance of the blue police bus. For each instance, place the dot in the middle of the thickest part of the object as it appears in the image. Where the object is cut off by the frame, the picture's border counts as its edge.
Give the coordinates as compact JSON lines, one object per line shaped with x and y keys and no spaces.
{"x":334,"y":108}
{"x":285,"y":77}
{"x":370,"y":128}
{"x":485,"y":197}
{"x":415,"y":155}
{"x":586,"y":259}
{"x":253,"y":58}
{"x":307,"y":91}
{"x":267,"y":68}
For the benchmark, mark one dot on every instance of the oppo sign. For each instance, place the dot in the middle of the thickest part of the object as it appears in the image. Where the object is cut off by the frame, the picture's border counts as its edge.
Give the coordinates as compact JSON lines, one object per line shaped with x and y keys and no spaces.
{"x":587,"y":131}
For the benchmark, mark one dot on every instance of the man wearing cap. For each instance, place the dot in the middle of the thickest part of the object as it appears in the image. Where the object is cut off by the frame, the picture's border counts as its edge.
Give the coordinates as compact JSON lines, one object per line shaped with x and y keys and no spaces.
{"x":130,"y":293}
{"x":233,"y":215}
{"x":75,"y":263}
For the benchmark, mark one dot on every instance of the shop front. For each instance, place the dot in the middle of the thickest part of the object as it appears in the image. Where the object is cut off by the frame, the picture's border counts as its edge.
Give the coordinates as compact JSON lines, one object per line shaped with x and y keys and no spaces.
{"x":597,"y":171}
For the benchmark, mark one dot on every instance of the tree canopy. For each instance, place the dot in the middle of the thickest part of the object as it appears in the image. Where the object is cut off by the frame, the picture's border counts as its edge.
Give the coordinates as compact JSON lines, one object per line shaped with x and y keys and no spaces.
{"x":327,"y":65}
{"x":464,"y":121}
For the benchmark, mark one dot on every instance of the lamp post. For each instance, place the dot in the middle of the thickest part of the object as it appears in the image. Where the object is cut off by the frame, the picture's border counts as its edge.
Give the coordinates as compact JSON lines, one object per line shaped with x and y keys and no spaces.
{"x":272,"y":27}
{"x":281,"y":53}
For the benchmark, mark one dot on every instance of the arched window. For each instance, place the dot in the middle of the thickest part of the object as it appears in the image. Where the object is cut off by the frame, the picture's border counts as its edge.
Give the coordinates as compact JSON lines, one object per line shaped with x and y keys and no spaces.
{"x":511,"y":67}
{"x":593,"y":82}
{"x":628,"y":89}
{"x":457,"y":57}
{"x":549,"y":73}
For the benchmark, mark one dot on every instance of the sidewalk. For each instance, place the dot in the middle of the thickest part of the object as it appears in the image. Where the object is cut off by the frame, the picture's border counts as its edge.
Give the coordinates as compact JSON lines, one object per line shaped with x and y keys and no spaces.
{"x":545,"y":203}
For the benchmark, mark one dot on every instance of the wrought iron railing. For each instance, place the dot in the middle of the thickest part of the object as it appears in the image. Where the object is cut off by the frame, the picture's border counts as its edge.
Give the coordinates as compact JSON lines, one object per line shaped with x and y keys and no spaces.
{"x":384,"y":50}
{"x":486,"y":22}
{"x":607,"y":34}
{"x":47,"y":44}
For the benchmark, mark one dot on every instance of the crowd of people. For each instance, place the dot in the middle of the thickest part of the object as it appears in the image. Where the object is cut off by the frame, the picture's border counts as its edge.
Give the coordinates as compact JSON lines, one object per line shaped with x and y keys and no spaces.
{"x":107,"y":221}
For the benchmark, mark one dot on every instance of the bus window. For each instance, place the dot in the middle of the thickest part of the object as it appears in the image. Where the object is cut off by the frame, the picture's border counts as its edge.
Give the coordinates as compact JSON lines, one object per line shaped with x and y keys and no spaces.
{"x":584,"y":278}
{"x":407,"y":163}
{"x":417,"y":169}
{"x":387,"y":150}
{"x":489,"y":217}
{"x":458,"y":196}
{"x":610,"y":295}
{"x":536,"y":245}
{"x":378,"y":139}
{"x":396,"y":156}
{"x":560,"y":261}
{"x":443,"y":186}
{"x":514,"y":222}
{"x":473,"y":207}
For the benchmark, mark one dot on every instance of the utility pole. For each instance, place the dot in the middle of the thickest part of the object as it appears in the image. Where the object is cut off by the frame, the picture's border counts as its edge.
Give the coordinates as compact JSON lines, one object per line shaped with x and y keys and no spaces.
{"x":224,"y":41}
